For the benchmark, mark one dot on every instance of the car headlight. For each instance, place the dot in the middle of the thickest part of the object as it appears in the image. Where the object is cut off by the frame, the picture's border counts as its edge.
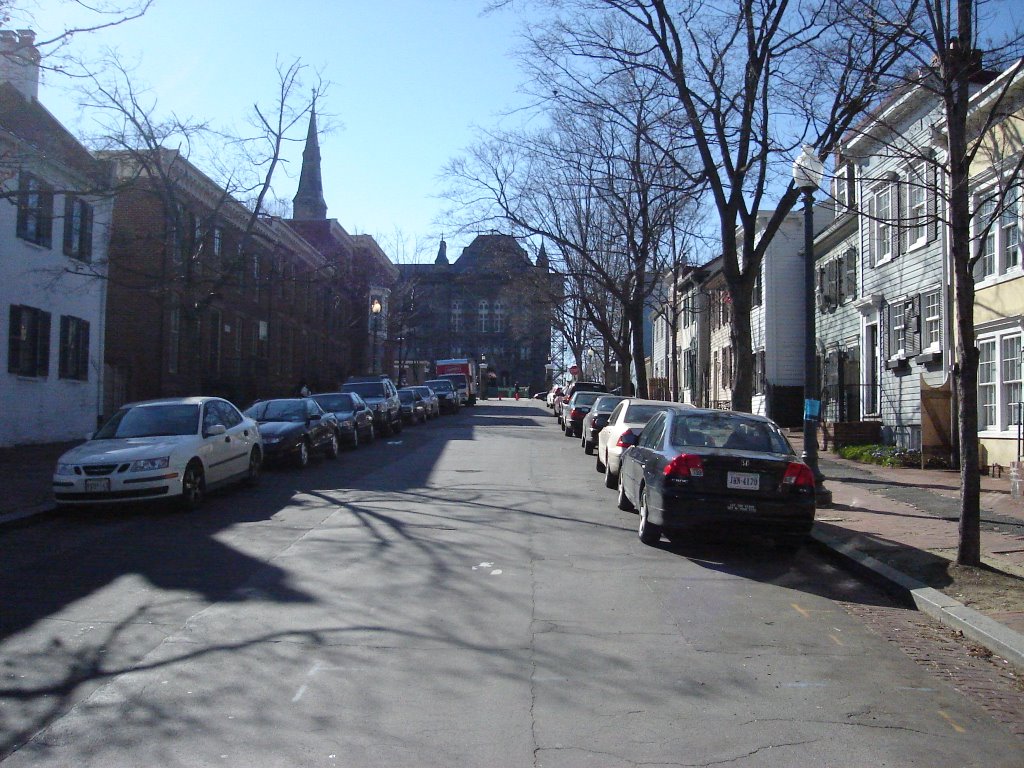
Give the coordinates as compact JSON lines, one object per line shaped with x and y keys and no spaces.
{"x":145,"y":465}
{"x":65,"y":469}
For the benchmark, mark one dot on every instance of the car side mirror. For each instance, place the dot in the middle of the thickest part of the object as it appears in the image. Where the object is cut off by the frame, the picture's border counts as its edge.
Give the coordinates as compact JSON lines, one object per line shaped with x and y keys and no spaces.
{"x":314,"y":417}
{"x":216,"y":429}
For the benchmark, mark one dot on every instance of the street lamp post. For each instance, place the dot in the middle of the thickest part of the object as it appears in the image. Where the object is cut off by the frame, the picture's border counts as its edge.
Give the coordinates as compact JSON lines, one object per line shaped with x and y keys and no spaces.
{"x":375,"y":309}
{"x":808,"y":172}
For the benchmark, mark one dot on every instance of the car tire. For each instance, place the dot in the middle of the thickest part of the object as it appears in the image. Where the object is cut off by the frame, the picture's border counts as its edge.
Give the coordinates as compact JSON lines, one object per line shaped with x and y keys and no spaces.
{"x":372,"y":434}
{"x":588,"y":448}
{"x":648,"y":532}
{"x":621,"y":501}
{"x":193,"y":486}
{"x":599,"y":465}
{"x":331,"y":452}
{"x":385,"y":429}
{"x":568,"y":431}
{"x":252,"y":475}
{"x":610,"y":480}
{"x":355,"y":439}
{"x":396,"y":428}
{"x":302,"y":455}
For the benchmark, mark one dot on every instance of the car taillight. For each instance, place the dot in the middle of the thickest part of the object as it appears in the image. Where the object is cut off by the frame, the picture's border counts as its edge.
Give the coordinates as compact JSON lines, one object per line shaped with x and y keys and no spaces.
{"x":685,"y":465}
{"x":619,"y":443}
{"x":798,"y":475}
{"x":575,"y":413}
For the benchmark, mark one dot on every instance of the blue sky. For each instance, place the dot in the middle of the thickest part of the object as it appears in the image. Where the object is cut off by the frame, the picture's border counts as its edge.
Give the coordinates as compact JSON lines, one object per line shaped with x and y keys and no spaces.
{"x":409,"y":80}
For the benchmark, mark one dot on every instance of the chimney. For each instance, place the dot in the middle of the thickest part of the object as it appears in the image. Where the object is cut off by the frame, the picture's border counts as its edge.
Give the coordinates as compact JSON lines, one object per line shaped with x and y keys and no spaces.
{"x":19,"y":61}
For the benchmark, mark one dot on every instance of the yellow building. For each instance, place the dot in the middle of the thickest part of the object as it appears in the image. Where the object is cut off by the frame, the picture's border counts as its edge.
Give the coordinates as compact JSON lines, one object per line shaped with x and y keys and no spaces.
{"x":998,"y":204}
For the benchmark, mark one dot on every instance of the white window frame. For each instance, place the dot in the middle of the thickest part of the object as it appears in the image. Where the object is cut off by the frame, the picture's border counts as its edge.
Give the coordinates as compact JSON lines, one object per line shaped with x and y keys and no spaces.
{"x":917,"y":205}
{"x":898,"y":327}
{"x":1000,"y":253}
{"x":999,"y":381}
{"x":881,"y":223}
{"x":931,"y":316}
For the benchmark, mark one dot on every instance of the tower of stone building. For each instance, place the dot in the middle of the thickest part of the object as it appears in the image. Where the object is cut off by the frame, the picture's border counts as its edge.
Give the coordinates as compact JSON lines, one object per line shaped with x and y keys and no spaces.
{"x":542,"y":257}
{"x":308,"y":202}
{"x":442,"y":252}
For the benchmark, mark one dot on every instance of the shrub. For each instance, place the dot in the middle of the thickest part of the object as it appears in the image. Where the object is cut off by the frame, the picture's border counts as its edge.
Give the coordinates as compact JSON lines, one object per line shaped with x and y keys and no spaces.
{"x":883,"y":455}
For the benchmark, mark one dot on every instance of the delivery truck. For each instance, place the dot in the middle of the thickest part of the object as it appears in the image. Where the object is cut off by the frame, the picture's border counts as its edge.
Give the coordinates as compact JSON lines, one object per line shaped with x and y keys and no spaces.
{"x":462,"y":373}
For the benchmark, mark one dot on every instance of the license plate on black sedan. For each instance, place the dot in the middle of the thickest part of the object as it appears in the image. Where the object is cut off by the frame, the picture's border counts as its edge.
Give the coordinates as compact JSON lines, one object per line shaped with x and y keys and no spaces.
{"x":736,"y":506}
{"x":743,"y":481}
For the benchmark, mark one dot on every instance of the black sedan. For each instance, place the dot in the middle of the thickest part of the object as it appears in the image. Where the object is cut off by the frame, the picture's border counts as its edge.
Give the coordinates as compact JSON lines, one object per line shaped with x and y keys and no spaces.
{"x":414,"y":407}
{"x":353,"y":416}
{"x":597,"y":419}
{"x":574,"y":411}
{"x":720,"y":472}
{"x":294,"y":428}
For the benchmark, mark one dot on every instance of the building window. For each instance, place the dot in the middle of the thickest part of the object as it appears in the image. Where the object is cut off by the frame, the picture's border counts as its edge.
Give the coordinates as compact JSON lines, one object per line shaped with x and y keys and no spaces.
{"x":998,"y":234}
{"x":1009,"y":230}
{"x":173,"y":340}
{"x":987,"y":386}
{"x":880,"y":224}
{"x":727,"y":368}
{"x":485,"y":323}
{"x":844,"y":188}
{"x":499,"y":317}
{"x":897,"y":328}
{"x":74,"y":348}
{"x":35,"y":210}
{"x":987,"y":245}
{"x":77,"y":228}
{"x":760,"y":377}
{"x":524,"y":351}
{"x":218,"y":241}
{"x":917,"y":205}
{"x":1011,"y":380}
{"x":933,"y":319}
{"x":28,"y":342}
{"x":456,"y":316}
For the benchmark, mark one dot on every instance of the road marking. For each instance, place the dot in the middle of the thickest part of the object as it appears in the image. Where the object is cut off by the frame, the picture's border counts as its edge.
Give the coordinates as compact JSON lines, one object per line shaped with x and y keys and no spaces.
{"x":800,"y":610}
{"x":496,"y":572}
{"x":835,"y":639}
{"x":298,"y":693}
{"x":483,"y":565}
{"x":952,"y":722}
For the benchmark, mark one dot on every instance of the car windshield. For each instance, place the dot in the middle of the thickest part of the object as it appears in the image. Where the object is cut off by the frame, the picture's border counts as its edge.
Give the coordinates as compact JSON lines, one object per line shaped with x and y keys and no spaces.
{"x":151,"y":421}
{"x":607,"y":403}
{"x":641,"y":414}
{"x":714,"y":430}
{"x":441,"y":386}
{"x":585,"y":398}
{"x":405,"y":396}
{"x":278,"y":410}
{"x":365,"y":389}
{"x":424,"y":391}
{"x":335,"y":402}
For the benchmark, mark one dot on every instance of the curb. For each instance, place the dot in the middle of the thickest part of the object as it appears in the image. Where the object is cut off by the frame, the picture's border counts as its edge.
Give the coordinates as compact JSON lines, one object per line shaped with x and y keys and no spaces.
{"x":997,"y":638}
{"x":27,"y":512}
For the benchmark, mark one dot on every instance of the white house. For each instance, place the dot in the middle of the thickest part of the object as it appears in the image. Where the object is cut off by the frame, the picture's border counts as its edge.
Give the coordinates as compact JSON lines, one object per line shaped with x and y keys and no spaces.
{"x":54,"y":222}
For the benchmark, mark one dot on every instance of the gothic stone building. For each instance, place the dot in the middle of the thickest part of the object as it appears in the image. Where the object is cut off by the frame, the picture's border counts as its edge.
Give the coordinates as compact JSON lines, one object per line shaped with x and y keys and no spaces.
{"x":492,"y":305}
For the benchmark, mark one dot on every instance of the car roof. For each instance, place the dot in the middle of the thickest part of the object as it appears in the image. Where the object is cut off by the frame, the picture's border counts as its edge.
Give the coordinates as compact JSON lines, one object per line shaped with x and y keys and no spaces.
{"x":693,"y":410}
{"x":193,"y":400}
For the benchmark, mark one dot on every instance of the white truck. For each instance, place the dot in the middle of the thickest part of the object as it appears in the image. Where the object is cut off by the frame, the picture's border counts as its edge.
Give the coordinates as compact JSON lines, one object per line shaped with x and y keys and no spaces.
{"x":462,"y":373}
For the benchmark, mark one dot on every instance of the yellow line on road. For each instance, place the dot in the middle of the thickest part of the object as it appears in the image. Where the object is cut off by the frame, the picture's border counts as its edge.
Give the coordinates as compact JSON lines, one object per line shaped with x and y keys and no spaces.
{"x":835,"y":639}
{"x":952,"y":722}
{"x":800,"y":610}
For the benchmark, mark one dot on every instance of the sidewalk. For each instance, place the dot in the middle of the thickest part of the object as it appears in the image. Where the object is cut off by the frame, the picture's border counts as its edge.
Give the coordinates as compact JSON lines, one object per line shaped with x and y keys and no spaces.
{"x":897,"y":524}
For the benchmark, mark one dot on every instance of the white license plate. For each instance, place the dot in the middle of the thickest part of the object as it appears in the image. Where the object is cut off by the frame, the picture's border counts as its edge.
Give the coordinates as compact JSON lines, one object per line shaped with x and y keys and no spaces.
{"x":98,"y":485}
{"x":744,"y":481}
{"x":735,"y":507}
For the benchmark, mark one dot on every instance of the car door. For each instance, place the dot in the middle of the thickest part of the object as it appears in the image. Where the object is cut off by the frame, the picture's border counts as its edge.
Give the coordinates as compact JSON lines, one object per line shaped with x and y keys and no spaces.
{"x":610,"y":430}
{"x":217,"y":448}
{"x":319,"y":428}
{"x":242,"y":437}
{"x":645,"y":455}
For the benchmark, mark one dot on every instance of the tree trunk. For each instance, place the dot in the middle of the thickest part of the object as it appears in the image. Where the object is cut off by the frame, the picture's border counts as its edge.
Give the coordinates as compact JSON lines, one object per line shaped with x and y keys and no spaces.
{"x":741,"y":339}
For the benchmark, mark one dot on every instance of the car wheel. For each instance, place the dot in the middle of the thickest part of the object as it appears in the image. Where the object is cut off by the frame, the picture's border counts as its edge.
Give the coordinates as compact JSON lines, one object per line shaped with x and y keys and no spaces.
{"x":331,"y":452}
{"x":568,"y":431}
{"x":622,"y":502}
{"x":371,"y":435}
{"x":599,"y":465}
{"x":193,"y":486}
{"x":252,"y":476}
{"x":302,"y":455}
{"x":397,"y":427}
{"x":610,"y":480}
{"x":385,"y":429}
{"x":588,"y":448}
{"x":355,"y":439}
{"x":648,"y":532}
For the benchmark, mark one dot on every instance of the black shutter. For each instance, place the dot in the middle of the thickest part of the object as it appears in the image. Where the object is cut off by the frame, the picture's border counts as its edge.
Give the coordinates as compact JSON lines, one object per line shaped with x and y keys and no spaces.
{"x":70,"y":246}
{"x":82,"y":364}
{"x":837,"y":282}
{"x":884,"y":341}
{"x":42,"y":344}
{"x":85,"y":245}
{"x":933,"y":200}
{"x":913,"y":321}
{"x":822,"y":282}
{"x":64,"y":363}
{"x":14,"y":340}
{"x":850,"y":274}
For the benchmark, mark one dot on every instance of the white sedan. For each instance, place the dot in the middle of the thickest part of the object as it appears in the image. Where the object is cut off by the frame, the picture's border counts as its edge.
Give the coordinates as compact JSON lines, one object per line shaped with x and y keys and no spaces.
{"x":173,"y":448}
{"x":632,"y":414}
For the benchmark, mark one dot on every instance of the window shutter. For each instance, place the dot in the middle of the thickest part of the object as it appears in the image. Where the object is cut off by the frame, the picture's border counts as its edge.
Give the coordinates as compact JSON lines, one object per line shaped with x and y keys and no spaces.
{"x":849,"y":274}
{"x":883,"y":337}
{"x":913,"y":321}
{"x":85,"y":245}
{"x":896,"y":231}
{"x":43,"y":345}
{"x":82,"y":363}
{"x":64,"y":364}
{"x":14,"y":340}
{"x":69,"y":227}
{"x":837,"y":281}
{"x":933,"y":202}
{"x":822,"y":282}
{"x":869,"y":225}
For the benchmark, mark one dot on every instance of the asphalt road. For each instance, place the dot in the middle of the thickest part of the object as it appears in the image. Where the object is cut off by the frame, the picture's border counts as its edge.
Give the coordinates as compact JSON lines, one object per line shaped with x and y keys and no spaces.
{"x":465,"y":594}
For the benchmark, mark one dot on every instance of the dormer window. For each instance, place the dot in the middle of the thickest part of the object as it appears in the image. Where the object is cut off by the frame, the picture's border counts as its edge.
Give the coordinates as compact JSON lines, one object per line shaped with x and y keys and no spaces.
{"x":844,"y":188}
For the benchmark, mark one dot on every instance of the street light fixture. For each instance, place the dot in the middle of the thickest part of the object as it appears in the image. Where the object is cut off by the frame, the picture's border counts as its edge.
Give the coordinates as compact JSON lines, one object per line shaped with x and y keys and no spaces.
{"x":808,"y":171}
{"x":375,"y":310}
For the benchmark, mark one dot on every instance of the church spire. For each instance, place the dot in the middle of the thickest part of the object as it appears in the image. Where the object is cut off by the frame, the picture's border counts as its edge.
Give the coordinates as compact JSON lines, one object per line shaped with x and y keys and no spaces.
{"x":542,"y":256}
{"x":442,"y":252}
{"x":308,"y":202}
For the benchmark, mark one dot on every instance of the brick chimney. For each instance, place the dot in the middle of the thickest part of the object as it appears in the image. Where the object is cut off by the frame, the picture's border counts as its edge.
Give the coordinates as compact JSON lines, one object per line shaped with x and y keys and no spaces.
{"x":19,"y":61}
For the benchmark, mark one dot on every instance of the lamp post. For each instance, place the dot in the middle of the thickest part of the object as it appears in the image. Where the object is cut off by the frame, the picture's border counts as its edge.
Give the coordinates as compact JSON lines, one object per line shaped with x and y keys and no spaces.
{"x":808,"y":172}
{"x":375,"y":309}
{"x":483,"y":377}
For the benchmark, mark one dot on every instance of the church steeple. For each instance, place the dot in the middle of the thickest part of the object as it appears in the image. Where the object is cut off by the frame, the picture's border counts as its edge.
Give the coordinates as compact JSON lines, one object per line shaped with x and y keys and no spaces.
{"x":308,"y":202}
{"x":542,"y":256}
{"x":442,"y":252}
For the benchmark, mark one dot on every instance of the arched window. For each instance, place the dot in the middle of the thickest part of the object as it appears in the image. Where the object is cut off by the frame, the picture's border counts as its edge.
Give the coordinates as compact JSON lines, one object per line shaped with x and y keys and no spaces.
{"x":485,"y":321}
{"x":457,"y":316}
{"x":499,"y":317}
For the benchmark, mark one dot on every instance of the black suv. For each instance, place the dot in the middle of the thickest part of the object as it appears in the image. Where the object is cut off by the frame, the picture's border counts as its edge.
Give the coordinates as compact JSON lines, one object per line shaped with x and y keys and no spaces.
{"x":382,"y":397}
